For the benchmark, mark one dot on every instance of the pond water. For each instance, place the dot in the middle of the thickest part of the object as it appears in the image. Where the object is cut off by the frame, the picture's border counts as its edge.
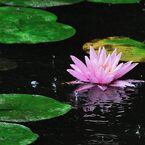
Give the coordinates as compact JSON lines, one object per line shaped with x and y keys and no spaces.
{"x":116,"y":117}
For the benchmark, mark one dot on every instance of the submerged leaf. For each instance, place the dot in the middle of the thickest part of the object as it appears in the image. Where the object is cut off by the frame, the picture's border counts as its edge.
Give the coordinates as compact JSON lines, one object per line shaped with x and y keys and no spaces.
{"x":14,"y":134}
{"x":131,"y":49}
{"x":25,"y":107}
{"x":7,"y":64}
{"x":27,"y":25}
{"x":115,"y":1}
{"x":39,"y":3}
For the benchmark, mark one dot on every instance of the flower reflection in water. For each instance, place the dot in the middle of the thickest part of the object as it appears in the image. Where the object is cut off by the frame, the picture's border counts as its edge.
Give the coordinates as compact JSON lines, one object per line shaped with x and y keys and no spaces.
{"x":99,"y":104}
{"x":103,"y":110}
{"x":105,"y":139}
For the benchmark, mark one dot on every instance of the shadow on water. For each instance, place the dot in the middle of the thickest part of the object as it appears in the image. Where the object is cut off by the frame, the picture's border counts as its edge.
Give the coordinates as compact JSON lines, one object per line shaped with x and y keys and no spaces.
{"x":113,"y":117}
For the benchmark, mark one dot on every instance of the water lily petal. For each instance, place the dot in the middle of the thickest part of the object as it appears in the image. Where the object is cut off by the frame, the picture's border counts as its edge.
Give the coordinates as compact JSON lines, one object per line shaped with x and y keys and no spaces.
{"x":102,"y":56}
{"x":89,"y":65}
{"x":125,"y":69}
{"x":102,"y":87}
{"x":81,"y":66}
{"x":114,"y":53}
{"x":77,"y":75}
{"x":76,"y":68}
{"x":93,"y":54}
{"x":122,"y":84}
{"x":84,"y":87}
{"x":116,"y":60}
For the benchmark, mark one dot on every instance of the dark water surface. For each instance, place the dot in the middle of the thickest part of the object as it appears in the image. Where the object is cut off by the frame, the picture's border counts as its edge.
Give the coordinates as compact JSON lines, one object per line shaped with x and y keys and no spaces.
{"x":115,"y":117}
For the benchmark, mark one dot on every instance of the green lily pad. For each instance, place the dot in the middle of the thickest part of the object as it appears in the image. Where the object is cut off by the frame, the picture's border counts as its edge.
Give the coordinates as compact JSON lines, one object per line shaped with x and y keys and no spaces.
{"x":131,"y":49}
{"x":25,"y":107}
{"x":39,"y":3}
{"x":7,"y":64}
{"x":14,"y":134}
{"x":27,"y":25}
{"x":115,"y":1}
{"x":17,"y":14}
{"x":51,"y":3}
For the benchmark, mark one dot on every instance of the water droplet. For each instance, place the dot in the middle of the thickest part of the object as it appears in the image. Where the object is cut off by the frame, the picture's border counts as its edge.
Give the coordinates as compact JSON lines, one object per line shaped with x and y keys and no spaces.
{"x":34,"y":84}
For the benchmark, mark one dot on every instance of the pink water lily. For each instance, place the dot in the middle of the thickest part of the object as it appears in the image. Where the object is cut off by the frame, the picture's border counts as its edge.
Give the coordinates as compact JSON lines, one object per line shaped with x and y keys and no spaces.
{"x":101,"y":69}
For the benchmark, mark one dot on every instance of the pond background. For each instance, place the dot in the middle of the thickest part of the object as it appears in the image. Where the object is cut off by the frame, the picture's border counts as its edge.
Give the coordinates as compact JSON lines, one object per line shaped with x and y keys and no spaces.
{"x":45,"y":64}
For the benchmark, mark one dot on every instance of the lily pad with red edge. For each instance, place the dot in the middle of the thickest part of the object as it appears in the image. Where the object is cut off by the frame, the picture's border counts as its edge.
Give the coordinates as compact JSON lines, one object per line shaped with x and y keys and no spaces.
{"x":14,"y":134}
{"x":27,"y":25}
{"x":39,"y":3}
{"x":26,"y":107}
{"x":115,"y":1}
{"x":131,"y":49}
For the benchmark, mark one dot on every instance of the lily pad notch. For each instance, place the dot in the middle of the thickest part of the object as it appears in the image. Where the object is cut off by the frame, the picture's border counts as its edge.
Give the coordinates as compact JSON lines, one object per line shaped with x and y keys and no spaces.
{"x":28,"y":25}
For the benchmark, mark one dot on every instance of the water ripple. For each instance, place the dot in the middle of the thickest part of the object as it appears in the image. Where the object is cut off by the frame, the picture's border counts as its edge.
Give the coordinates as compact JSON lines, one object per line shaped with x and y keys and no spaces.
{"x":103,"y":106}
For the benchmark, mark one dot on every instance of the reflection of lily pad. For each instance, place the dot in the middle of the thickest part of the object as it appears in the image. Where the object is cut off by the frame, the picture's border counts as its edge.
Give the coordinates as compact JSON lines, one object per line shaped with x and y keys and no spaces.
{"x":131,"y":49}
{"x":39,"y":3}
{"x":6,"y":64}
{"x":115,"y":1}
{"x":26,"y":25}
{"x":24,"y":107}
{"x":14,"y":134}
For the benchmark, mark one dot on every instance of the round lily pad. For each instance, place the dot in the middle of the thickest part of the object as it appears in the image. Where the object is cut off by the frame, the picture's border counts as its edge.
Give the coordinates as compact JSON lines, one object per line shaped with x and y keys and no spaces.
{"x":25,"y":107}
{"x":39,"y":3}
{"x":26,"y":25}
{"x":7,"y":64}
{"x":14,"y":134}
{"x":131,"y":49}
{"x":115,"y":1}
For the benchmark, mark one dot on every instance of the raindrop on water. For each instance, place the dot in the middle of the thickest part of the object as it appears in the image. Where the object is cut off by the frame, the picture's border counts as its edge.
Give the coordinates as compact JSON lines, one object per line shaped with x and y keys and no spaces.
{"x":34,"y":84}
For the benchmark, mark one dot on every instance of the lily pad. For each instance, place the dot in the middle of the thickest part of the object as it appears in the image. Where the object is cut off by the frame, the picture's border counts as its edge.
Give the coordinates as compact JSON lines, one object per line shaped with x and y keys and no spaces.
{"x":25,"y":107}
{"x":115,"y":1}
{"x":17,"y":14}
{"x":27,"y":25}
{"x":7,"y":64}
{"x":131,"y":49}
{"x":14,"y":134}
{"x":39,"y":3}
{"x":51,"y":3}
